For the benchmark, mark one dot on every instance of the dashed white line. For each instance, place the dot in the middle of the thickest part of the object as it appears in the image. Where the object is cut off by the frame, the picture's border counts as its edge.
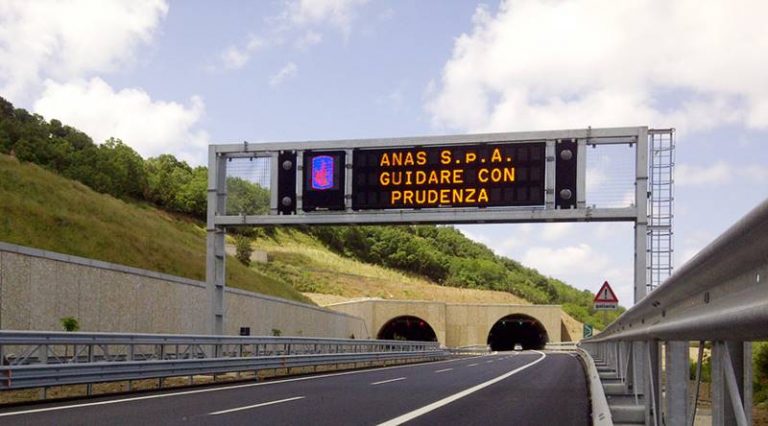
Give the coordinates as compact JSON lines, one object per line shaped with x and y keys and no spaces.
{"x":388,"y":381}
{"x":248,"y":407}
{"x":472,"y":365}
{"x":443,"y":370}
{"x":216,"y":389}
{"x":488,"y":362}
{"x":447,"y":400}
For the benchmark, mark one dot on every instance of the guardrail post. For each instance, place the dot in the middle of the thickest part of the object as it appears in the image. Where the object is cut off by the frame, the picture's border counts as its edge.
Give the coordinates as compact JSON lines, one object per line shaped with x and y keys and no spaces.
{"x":628,"y":367}
{"x":617,"y":349}
{"x":731,"y":383}
{"x":677,"y":371}
{"x":652,"y":388}
{"x":746,"y":358}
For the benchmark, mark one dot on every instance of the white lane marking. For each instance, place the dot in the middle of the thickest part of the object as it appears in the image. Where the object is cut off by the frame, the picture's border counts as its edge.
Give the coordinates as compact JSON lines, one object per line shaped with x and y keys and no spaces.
{"x":443,"y":370}
{"x":248,"y":407}
{"x":472,"y":365}
{"x":216,"y":389}
{"x":449,"y":399}
{"x":488,"y":362}
{"x":388,"y":381}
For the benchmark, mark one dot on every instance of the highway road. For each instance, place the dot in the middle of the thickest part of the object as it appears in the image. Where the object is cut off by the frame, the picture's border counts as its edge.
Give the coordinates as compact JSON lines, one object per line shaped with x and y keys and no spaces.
{"x":518,"y":388}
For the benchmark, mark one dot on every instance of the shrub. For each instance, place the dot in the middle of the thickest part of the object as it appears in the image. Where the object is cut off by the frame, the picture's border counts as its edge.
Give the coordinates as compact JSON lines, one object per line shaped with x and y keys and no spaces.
{"x":244,"y":250}
{"x":70,"y":323}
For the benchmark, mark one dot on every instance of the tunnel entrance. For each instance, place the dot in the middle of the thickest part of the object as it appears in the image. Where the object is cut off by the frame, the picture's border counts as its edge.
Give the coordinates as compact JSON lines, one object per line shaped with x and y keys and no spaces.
{"x":407,"y":328}
{"x":516,"y":329}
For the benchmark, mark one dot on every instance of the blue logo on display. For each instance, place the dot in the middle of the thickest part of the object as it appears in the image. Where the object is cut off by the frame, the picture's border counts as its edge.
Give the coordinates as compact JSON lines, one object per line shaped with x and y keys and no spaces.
{"x":322,"y":172}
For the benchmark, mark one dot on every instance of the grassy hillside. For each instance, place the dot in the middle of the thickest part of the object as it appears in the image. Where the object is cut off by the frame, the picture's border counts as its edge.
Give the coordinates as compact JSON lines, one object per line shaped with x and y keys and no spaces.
{"x":328,"y":277}
{"x":43,"y":210}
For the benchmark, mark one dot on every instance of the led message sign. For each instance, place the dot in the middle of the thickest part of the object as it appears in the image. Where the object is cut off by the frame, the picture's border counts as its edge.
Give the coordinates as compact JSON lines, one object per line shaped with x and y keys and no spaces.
{"x":486,"y":175}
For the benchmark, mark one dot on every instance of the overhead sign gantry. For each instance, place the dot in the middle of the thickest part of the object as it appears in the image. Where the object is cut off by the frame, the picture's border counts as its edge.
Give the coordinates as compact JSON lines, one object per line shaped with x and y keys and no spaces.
{"x":482,"y":178}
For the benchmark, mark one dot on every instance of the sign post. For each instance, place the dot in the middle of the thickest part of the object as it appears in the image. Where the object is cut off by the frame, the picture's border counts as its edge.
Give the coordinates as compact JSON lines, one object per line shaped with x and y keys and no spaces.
{"x":605,"y":299}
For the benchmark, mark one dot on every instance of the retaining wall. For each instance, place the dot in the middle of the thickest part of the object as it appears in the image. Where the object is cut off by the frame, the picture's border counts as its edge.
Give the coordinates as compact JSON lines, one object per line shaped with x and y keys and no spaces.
{"x":39,"y":287}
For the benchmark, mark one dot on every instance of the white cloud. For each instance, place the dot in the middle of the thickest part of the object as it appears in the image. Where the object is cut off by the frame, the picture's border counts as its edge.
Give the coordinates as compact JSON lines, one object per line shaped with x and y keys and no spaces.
{"x":583,"y":267}
{"x":755,"y":173}
{"x":395,"y":99}
{"x":234,"y":57}
{"x":607,"y":231}
{"x":543,"y":65}
{"x":289,"y":71}
{"x":69,"y":39}
{"x":556,"y":231}
{"x":255,"y":43}
{"x":514,"y":238}
{"x":149,"y":126}
{"x":309,"y":39}
{"x":692,"y":175}
{"x":338,"y":13}
{"x":595,"y":178}
{"x":300,"y":23}
{"x":564,"y":262}
{"x":692,"y":244}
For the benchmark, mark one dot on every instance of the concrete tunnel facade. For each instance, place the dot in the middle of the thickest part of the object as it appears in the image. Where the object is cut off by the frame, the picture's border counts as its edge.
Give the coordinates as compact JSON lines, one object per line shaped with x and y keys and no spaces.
{"x":453,"y":324}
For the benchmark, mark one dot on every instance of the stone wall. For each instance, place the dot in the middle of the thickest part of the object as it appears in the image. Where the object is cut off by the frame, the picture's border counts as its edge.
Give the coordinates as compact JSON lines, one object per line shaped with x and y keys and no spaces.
{"x":37,"y":288}
{"x":469,"y":324}
{"x":455,"y":324}
{"x":377,"y":313}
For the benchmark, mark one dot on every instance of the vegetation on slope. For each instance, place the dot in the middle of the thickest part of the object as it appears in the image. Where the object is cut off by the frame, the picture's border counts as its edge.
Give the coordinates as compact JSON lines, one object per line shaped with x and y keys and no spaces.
{"x":304,"y":262}
{"x":42,"y":210}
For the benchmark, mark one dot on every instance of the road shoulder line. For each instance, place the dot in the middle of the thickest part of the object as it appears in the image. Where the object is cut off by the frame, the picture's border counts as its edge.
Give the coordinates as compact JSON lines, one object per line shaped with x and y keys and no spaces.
{"x":449,"y":399}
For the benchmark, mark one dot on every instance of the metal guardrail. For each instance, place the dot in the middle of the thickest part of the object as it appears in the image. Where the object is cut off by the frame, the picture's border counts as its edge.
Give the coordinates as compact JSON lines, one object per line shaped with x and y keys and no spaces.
{"x":600,"y":410}
{"x":561,"y":346}
{"x":470,"y":350}
{"x":41,"y":359}
{"x":720,"y":296}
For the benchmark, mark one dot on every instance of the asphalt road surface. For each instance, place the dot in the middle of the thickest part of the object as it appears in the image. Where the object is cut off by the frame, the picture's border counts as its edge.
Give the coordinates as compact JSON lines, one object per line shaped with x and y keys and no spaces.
{"x":519,"y":388}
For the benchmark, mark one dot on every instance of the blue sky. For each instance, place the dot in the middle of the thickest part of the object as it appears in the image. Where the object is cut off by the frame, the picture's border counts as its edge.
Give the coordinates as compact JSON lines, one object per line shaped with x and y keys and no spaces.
{"x":176,"y":76}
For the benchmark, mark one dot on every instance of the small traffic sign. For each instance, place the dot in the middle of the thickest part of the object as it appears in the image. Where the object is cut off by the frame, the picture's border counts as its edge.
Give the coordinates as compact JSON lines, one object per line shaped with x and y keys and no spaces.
{"x":606,"y":299}
{"x":587,"y":331}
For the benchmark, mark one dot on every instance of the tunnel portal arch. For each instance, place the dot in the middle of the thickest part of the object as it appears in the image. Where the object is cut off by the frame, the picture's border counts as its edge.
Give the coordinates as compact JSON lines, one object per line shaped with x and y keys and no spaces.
{"x":407,"y":327}
{"x":516,"y":329}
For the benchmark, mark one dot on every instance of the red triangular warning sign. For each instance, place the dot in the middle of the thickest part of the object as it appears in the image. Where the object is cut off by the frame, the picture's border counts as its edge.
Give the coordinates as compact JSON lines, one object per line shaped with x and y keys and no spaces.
{"x":606,"y":294}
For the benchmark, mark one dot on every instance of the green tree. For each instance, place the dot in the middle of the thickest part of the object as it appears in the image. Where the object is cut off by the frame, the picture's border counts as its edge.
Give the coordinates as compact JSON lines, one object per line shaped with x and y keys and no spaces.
{"x":165,"y":177}
{"x":191,"y":197}
{"x":244,"y":197}
{"x":125,"y":168}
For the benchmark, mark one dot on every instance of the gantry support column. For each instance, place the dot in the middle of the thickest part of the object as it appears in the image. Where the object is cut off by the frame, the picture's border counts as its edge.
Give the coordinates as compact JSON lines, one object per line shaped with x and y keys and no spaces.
{"x":641,"y":222}
{"x":215,"y":275}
